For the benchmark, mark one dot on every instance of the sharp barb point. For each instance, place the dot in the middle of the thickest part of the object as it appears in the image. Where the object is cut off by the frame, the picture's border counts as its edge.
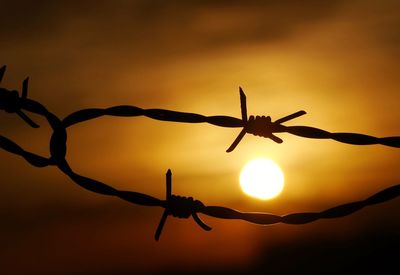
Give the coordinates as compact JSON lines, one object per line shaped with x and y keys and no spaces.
{"x":25,"y":88}
{"x":290,"y":117}
{"x":243,"y":105}
{"x":276,"y":139}
{"x":27,"y":119}
{"x":237,"y":140}
{"x":200,"y":222}
{"x":161,"y":225}
{"x":169,"y":184}
{"x":2,"y":72}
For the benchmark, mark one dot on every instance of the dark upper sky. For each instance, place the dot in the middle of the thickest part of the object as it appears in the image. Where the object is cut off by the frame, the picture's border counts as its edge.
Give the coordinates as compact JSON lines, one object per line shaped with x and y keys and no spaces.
{"x":338,"y":60}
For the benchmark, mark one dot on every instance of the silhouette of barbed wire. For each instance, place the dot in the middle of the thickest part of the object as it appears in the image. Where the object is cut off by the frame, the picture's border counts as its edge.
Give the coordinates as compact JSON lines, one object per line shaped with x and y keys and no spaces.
{"x":179,"y":206}
{"x":259,"y":125}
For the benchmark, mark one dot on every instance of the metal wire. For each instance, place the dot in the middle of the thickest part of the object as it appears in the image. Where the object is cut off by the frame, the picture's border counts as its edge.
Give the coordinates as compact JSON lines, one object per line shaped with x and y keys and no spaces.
{"x":178,"y":206}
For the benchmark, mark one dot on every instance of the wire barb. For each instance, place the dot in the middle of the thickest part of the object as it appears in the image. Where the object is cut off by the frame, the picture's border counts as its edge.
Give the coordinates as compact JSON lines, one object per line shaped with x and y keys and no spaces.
{"x":12,"y":103}
{"x":180,"y":207}
{"x":260,"y":125}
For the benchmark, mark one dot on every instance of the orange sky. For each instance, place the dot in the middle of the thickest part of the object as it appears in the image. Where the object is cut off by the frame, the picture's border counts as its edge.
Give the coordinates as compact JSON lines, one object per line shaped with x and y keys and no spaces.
{"x":338,"y":61}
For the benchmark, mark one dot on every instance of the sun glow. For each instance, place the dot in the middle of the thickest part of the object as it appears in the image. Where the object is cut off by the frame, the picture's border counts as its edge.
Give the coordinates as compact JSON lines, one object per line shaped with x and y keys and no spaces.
{"x":262,"y":178}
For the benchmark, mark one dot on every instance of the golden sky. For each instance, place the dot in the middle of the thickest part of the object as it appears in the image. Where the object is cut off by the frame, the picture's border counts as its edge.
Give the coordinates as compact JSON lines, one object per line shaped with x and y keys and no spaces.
{"x":337,"y":60}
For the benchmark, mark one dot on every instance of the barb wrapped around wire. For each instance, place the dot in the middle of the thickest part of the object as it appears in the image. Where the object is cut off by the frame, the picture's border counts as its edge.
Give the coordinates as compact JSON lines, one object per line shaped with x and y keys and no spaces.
{"x":260,"y":125}
{"x":178,"y":206}
{"x":12,"y":103}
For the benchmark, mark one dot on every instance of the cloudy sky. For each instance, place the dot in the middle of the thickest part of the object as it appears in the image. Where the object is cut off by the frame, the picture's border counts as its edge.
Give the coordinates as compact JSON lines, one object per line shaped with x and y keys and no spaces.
{"x":337,"y":60}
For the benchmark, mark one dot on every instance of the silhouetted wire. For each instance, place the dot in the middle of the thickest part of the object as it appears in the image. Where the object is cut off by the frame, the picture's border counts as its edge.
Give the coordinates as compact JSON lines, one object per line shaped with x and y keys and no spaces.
{"x":179,"y":206}
{"x":259,"y":125}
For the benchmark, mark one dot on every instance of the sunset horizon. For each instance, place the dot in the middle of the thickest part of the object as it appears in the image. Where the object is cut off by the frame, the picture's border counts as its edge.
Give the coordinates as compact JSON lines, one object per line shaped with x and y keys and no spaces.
{"x":124,"y":92}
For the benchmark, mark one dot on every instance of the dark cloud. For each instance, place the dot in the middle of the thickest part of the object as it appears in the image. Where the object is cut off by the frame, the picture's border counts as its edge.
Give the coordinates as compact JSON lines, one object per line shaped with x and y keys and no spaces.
{"x":177,"y":25}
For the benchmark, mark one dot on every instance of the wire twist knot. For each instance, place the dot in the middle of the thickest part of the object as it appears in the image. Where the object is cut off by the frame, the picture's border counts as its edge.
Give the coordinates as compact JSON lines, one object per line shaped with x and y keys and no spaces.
{"x":182,"y":207}
{"x":259,"y":126}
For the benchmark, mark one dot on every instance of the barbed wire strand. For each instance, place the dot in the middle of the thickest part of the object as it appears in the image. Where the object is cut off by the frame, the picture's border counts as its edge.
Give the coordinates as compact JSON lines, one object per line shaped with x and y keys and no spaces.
{"x":177,"y":206}
{"x":259,"y":125}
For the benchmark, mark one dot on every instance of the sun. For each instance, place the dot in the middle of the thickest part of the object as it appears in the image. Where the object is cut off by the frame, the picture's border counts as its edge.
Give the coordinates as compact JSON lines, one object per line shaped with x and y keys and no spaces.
{"x":262,"y":178}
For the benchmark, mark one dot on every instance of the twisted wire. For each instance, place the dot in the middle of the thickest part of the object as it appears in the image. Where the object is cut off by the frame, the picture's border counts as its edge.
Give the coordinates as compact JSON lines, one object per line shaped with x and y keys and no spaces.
{"x":179,"y":206}
{"x":261,"y":127}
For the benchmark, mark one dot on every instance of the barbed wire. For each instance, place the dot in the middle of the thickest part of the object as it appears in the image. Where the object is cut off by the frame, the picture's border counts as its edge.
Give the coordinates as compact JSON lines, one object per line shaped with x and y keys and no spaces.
{"x":179,"y":206}
{"x":259,"y":126}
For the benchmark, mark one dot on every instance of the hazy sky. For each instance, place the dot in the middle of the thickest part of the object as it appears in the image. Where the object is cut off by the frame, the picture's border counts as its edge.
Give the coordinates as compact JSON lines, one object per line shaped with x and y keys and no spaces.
{"x":337,"y":60}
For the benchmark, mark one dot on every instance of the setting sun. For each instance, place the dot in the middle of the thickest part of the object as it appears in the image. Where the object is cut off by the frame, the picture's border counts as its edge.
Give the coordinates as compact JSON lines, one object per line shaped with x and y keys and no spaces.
{"x":262,"y":178}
